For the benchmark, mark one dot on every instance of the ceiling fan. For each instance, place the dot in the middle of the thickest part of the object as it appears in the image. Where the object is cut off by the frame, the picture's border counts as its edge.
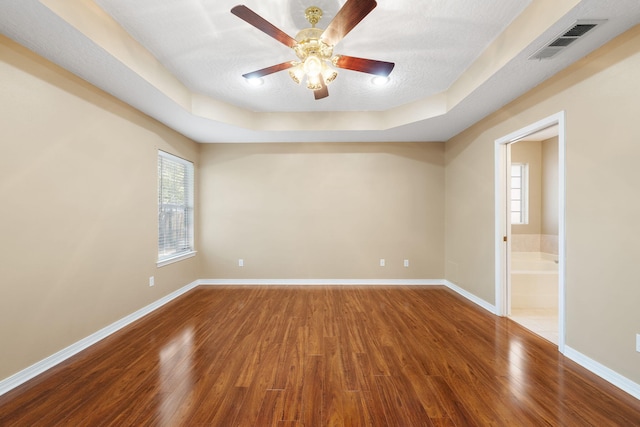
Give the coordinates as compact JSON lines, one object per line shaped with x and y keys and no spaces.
{"x":314,"y":46}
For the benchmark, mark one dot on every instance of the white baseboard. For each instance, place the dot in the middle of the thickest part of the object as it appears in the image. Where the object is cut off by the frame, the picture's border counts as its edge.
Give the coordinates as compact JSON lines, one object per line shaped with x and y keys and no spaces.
{"x":623,"y":383}
{"x":471,"y":297}
{"x":62,"y":355}
{"x":317,"y":282}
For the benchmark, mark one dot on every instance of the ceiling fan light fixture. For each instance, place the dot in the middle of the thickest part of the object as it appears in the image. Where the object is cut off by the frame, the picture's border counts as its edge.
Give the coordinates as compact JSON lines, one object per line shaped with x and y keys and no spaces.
{"x":380,"y":80}
{"x":296,"y":72}
{"x":329,"y":74}
{"x":312,"y":69}
{"x":312,"y":66}
{"x":255,"y":81}
{"x":313,"y":83}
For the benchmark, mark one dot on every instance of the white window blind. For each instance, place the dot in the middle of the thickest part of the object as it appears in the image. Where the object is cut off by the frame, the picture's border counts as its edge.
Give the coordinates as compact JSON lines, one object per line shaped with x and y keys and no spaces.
{"x":175,"y":206}
{"x":519,"y":193}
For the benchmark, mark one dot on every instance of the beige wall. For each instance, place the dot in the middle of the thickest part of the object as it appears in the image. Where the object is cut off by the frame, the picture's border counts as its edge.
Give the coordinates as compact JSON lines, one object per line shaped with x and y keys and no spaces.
{"x":600,"y":97}
{"x":322,"y":211}
{"x":79,"y":209}
{"x":78,"y":190}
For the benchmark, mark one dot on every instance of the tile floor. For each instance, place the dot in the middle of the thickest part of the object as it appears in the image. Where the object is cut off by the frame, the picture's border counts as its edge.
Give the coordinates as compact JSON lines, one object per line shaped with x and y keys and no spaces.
{"x":542,"y":321}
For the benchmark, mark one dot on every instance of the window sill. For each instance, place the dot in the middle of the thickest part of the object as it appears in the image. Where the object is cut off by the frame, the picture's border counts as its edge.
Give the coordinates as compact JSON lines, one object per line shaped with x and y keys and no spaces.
{"x":176,"y":258}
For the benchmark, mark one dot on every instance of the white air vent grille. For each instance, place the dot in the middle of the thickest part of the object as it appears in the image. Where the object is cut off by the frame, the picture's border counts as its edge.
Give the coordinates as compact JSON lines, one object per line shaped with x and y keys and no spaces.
{"x":566,"y":38}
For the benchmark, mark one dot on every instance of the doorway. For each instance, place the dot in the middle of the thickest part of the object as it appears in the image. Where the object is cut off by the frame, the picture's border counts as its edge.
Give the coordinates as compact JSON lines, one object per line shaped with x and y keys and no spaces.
{"x":530,"y":245}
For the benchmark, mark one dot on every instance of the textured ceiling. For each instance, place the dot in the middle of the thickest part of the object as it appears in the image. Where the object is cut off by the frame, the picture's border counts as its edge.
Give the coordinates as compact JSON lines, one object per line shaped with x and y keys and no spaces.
{"x":208,"y":49}
{"x":181,"y":61}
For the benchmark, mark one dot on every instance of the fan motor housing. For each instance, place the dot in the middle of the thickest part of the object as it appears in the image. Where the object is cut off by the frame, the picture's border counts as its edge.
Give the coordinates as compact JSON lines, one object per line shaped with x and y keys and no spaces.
{"x":309,"y":43}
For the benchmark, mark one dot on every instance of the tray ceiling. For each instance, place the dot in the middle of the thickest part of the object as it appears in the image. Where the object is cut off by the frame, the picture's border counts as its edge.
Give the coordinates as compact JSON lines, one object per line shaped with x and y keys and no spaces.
{"x":181,"y":61}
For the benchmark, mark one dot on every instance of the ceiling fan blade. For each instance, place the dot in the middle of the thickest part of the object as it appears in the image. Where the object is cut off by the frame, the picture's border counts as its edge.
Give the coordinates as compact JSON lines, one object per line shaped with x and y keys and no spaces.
{"x":248,"y":15}
{"x":346,"y":19}
{"x":371,"y":66}
{"x":323,"y":92}
{"x":269,"y":70}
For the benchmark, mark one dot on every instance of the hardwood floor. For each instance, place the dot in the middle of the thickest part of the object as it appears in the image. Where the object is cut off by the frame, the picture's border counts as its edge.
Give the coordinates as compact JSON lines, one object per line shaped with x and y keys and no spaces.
{"x":319,"y":356}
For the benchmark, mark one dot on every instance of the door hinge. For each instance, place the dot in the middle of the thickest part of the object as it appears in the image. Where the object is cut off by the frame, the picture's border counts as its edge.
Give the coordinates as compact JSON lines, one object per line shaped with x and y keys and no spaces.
{"x":504,"y":238}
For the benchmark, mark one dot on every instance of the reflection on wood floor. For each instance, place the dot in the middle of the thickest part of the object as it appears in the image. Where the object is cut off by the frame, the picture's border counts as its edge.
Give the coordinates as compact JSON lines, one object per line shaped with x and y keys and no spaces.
{"x":320,"y":356}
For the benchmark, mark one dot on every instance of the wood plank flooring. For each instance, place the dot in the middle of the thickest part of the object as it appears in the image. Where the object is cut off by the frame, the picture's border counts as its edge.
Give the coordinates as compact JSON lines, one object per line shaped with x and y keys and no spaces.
{"x":319,"y":356}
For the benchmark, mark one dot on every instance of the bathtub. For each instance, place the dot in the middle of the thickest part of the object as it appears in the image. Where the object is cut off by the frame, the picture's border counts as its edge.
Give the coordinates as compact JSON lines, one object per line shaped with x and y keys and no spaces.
{"x":534,"y":280}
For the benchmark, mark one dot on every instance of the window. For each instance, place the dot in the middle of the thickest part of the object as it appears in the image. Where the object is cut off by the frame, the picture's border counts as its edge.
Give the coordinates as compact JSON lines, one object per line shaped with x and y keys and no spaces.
{"x":175,"y":208}
{"x":519,"y":193}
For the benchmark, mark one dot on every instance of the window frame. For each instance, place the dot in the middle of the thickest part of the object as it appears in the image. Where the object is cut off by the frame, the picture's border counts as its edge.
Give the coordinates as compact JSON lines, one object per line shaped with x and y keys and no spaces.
{"x":187,"y":207}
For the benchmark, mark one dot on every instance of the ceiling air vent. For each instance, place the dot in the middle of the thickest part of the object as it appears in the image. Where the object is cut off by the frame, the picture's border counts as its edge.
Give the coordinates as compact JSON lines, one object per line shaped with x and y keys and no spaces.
{"x":559,"y":43}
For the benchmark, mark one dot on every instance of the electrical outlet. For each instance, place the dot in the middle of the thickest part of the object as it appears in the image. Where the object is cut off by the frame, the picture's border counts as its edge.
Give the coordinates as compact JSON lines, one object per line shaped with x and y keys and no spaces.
{"x":152,"y":281}
{"x":406,"y":263}
{"x":638,"y":343}
{"x":240,"y":262}
{"x":382,"y":262}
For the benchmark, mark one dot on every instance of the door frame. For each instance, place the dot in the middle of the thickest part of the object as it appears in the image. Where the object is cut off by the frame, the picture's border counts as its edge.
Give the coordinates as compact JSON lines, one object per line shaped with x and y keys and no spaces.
{"x":502,"y":220}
